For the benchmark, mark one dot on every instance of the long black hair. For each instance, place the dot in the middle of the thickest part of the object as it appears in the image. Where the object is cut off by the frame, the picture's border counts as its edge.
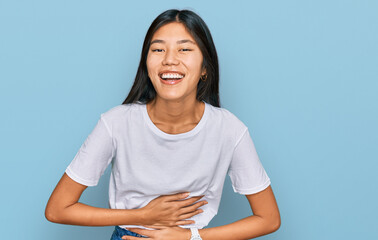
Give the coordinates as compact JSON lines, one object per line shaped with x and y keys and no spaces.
{"x":143,"y":91}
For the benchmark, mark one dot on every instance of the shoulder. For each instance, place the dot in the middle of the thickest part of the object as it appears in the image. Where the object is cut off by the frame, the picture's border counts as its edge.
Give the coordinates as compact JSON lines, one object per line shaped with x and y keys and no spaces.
{"x":223,"y":114}
{"x":227,"y":120}
{"x":121,"y":111}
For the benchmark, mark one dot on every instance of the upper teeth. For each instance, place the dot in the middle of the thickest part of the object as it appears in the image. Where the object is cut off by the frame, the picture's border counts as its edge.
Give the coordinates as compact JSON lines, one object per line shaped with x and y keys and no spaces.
{"x":171,"y":75}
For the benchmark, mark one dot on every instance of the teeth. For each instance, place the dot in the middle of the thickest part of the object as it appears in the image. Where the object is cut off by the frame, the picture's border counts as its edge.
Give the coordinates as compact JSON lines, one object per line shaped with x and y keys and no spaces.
{"x":171,"y":75}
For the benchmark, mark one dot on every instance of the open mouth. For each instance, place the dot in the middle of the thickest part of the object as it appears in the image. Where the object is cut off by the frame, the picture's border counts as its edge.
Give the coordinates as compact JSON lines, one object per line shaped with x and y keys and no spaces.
{"x":171,"y":78}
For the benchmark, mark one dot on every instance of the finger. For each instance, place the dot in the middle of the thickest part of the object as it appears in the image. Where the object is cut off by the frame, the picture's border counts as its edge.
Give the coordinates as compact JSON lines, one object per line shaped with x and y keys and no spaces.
{"x":189,"y":201}
{"x":189,"y":215}
{"x":193,"y":207}
{"x":177,"y":196}
{"x":185,"y":222}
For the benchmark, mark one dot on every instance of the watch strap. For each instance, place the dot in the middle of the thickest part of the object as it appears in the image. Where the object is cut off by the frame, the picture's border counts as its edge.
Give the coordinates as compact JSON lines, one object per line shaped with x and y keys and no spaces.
{"x":195,"y":233}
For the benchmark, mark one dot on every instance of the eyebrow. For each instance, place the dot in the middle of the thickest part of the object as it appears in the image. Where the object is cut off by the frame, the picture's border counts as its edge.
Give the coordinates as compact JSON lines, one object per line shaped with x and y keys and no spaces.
{"x":178,"y":42}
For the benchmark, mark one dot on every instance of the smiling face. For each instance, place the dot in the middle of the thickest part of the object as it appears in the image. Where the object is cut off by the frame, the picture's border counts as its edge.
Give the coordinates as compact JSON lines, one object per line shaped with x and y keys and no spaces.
{"x":174,"y":63}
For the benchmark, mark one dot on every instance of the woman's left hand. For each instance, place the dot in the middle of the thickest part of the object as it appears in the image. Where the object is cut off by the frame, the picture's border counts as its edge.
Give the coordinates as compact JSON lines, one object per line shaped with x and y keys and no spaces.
{"x":161,"y":233}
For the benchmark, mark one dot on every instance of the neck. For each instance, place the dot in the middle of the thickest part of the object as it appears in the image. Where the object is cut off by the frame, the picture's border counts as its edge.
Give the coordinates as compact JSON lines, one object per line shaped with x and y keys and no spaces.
{"x":175,"y":113}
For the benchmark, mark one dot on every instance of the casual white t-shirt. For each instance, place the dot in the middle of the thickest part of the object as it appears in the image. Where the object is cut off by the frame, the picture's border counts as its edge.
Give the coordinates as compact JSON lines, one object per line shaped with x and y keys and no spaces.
{"x":147,"y":162}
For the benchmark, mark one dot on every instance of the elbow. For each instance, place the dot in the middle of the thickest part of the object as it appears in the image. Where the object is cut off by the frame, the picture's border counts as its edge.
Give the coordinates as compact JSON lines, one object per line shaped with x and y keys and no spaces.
{"x":51,"y":214}
{"x":276,"y":224}
{"x":271,"y":223}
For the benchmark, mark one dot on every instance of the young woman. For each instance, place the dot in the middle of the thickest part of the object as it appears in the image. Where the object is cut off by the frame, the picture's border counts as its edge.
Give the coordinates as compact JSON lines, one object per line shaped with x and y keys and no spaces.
{"x":169,"y":137}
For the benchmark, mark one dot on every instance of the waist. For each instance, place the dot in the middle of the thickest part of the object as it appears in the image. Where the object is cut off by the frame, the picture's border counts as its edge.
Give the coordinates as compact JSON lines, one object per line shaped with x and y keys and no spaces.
{"x":119,"y":232}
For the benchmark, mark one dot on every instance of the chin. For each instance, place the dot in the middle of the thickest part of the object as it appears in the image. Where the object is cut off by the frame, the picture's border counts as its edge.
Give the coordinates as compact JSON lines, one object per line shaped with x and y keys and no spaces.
{"x":170,"y":96}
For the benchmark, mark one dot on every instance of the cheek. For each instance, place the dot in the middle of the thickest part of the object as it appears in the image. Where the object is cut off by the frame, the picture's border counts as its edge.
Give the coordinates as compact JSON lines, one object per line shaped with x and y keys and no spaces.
{"x":196,"y":63}
{"x":196,"y":67}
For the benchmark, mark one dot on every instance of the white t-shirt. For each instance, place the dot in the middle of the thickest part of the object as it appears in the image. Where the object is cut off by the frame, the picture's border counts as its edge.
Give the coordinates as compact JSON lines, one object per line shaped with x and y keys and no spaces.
{"x":148,"y":162}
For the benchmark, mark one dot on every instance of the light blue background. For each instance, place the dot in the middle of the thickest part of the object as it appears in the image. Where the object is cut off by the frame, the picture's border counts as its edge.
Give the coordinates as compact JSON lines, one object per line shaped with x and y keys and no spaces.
{"x":302,"y":75}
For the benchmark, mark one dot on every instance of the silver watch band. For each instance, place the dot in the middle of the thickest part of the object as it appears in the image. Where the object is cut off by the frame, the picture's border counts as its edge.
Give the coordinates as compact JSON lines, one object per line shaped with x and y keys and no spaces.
{"x":195,"y":234}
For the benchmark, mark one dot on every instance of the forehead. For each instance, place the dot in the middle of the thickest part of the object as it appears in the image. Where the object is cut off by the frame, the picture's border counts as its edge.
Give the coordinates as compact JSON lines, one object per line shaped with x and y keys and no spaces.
{"x":172,"y":31}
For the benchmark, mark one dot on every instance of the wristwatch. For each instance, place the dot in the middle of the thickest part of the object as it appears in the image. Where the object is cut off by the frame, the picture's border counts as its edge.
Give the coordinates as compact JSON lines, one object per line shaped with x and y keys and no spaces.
{"x":195,"y":234}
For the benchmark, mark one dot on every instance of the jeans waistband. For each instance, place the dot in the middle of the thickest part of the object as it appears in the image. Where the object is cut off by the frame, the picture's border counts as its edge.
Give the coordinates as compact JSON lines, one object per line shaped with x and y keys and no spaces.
{"x":119,"y":232}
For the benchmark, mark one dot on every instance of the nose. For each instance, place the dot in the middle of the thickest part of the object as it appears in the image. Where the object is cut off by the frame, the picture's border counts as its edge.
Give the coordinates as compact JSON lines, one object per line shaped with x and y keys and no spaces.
{"x":170,"y":58}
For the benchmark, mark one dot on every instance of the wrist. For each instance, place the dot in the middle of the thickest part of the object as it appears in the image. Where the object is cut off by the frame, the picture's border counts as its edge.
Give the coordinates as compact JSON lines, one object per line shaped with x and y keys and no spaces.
{"x":142,"y":216}
{"x":187,"y":234}
{"x":195,"y":234}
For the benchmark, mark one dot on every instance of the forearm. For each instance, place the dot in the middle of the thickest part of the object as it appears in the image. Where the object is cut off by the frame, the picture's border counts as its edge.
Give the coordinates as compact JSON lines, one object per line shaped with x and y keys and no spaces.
{"x":246,"y":228}
{"x":85,"y":215}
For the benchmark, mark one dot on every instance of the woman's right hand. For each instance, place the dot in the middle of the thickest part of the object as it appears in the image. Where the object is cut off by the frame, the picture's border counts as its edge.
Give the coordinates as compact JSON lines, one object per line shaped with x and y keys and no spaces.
{"x":172,"y":210}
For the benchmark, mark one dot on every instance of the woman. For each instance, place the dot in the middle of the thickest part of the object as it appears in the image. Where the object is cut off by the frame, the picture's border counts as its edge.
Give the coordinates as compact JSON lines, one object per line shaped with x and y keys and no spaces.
{"x":168,"y":138}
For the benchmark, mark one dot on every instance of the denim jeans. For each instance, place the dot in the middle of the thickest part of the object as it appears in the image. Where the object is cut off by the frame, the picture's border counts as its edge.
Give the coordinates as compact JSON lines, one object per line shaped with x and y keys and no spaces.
{"x":119,"y":232}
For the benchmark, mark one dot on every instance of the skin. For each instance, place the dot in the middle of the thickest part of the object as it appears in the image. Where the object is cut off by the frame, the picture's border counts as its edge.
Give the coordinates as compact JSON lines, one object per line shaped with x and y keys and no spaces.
{"x":174,"y":110}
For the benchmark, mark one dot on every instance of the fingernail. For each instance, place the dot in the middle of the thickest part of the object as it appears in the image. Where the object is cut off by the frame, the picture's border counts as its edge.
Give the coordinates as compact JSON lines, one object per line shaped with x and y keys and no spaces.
{"x":185,"y":194}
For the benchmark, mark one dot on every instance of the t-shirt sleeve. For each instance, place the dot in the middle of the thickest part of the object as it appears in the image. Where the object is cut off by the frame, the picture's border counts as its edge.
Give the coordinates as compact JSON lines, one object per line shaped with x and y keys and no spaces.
{"x":246,"y":171}
{"x":93,"y":157}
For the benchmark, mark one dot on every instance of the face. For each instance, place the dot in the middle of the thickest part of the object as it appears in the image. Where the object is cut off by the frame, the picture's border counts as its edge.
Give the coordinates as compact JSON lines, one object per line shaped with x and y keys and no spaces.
{"x":174,"y":63}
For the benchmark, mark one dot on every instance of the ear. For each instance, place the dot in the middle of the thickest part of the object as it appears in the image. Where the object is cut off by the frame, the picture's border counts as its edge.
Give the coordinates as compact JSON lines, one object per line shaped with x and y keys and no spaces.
{"x":204,"y":72}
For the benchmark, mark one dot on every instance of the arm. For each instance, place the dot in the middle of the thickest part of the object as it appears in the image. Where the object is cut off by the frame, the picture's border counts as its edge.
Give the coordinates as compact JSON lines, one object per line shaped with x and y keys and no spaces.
{"x":63,"y":207}
{"x":266,"y":219}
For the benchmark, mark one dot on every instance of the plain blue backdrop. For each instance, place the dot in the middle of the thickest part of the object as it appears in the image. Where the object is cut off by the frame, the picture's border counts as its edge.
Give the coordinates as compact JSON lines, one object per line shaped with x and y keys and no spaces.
{"x":302,"y":75}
